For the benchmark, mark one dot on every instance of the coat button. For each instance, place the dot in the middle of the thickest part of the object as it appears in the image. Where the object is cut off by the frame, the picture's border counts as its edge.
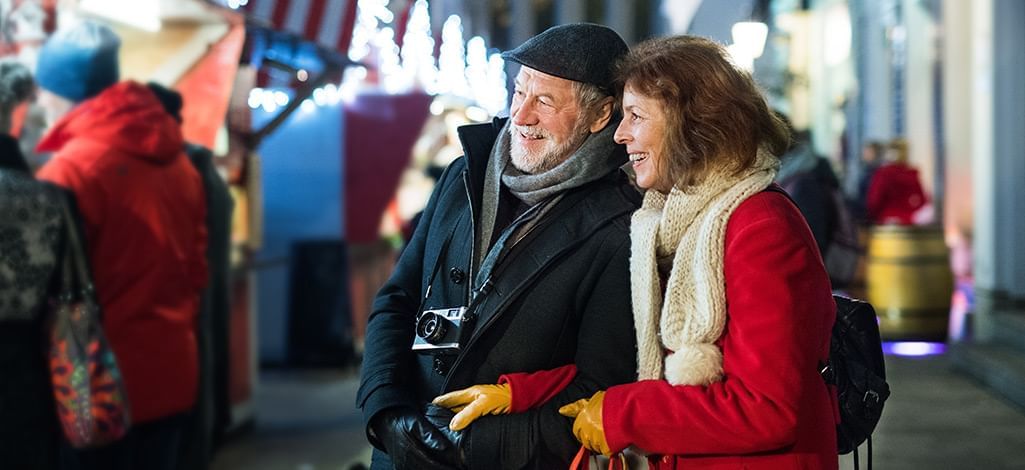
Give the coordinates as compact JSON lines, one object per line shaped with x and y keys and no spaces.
{"x":457,"y":275}
{"x":440,"y":366}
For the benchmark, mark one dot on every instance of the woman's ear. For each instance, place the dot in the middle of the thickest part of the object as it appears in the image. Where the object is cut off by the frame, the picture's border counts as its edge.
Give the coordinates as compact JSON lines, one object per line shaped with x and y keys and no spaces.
{"x":604,"y":114}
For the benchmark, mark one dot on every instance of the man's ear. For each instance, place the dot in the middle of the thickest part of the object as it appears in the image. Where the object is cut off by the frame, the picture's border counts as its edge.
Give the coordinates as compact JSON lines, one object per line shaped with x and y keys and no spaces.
{"x":604,"y":115}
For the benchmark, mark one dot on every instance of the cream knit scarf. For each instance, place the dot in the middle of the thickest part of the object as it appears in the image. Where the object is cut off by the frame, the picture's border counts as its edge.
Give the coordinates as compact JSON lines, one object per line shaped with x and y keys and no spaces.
{"x":688,"y":228}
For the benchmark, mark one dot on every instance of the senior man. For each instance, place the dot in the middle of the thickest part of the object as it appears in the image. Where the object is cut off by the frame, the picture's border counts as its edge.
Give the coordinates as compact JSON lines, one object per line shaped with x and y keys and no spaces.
{"x":519,"y":264}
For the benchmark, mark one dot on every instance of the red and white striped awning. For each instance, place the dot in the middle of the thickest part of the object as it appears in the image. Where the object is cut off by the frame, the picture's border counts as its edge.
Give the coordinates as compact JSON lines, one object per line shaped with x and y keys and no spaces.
{"x":325,"y":22}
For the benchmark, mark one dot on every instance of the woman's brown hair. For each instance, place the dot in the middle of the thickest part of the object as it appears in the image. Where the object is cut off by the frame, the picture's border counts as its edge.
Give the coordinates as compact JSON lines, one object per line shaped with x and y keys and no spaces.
{"x":715,"y":115}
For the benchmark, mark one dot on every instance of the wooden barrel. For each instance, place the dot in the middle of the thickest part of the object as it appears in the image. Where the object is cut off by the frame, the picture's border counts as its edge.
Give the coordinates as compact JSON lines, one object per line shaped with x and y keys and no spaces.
{"x":909,"y":282}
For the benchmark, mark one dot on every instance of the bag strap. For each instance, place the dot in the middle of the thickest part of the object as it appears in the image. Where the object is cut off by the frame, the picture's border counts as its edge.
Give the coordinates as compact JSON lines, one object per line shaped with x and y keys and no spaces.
{"x":581,"y":462}
{"x":76,"y":270}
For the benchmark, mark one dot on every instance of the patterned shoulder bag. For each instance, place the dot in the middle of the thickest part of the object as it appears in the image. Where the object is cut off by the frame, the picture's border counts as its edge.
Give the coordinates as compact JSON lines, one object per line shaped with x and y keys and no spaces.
{"x":87,"y":385}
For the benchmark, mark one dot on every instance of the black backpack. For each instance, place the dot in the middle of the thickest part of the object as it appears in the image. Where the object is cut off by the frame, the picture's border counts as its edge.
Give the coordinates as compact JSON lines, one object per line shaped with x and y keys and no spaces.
{"x":857,"y":370}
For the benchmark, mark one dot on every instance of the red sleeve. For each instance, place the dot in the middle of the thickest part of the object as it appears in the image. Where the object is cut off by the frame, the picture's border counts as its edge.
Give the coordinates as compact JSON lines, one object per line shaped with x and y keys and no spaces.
{"x":779,"y":314}
{"x":533,"y":389}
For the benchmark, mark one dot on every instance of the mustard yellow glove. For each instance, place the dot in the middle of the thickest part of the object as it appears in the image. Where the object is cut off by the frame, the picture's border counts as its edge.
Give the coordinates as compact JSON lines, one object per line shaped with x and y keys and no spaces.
{"x":588,"y":426}
{"x":476,"y":401}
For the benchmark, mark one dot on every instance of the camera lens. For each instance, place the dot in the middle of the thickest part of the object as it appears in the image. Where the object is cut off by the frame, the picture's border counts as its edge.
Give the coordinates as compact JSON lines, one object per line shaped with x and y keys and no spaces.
{"x":431,"y":327}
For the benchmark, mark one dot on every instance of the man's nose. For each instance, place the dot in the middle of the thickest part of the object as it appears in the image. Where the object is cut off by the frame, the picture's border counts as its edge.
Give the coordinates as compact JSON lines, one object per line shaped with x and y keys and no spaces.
{"x":524,"y":115}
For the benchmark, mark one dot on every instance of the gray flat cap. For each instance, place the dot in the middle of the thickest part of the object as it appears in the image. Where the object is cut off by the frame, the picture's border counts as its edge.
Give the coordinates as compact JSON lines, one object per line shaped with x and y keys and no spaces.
{"x":581,"y":52}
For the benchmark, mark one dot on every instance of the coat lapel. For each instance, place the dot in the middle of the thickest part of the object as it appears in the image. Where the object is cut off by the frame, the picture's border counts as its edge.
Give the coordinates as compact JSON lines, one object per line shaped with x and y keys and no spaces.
{"x":569,"y":224}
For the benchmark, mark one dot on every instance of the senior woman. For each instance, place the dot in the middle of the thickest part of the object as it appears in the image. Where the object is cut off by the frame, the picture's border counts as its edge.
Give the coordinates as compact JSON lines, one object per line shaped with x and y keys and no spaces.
{"x":732,"y":304}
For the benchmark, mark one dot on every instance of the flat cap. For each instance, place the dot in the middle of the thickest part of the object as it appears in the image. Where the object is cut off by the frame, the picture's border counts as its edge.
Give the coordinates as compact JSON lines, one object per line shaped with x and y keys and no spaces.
{"x":581,"y":52}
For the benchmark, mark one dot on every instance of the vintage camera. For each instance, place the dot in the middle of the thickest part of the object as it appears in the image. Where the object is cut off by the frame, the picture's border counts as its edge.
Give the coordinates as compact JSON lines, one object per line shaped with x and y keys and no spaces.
{"x":439,"y":329}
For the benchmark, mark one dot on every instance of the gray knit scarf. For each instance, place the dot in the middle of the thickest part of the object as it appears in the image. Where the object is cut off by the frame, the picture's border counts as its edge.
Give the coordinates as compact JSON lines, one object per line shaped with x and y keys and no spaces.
{"x":594,"y":159}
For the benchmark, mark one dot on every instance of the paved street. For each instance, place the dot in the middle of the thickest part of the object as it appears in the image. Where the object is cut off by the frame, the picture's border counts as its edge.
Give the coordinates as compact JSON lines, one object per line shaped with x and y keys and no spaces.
{"x":935,"y":419}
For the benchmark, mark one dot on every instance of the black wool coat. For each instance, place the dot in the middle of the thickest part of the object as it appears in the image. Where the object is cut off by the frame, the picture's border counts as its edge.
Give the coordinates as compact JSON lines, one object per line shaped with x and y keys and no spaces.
{"x":560,"y":296}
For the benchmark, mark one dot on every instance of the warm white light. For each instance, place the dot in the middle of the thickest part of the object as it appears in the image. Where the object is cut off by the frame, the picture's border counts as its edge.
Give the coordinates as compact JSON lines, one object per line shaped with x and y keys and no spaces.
{"x":267,"y":101}
{"x":750,"y":37}
{"x":255,"y":97}
{"x":280,"y":98}
{"x":452,"y":60}
{"x":837,"y":40}
{"x":437,"y":108}
{"x":477,"y":114}
{"x":740,"y":57}
{"x":320,"y":97}
{"x":418,"y":50}
{"x":141,"y":14}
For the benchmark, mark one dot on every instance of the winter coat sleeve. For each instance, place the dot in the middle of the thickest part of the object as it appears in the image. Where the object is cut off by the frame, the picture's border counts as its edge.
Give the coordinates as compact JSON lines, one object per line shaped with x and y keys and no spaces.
{"x":779,"y":315}
{"x":387,"y":359}
{"x":605,"y":356}
{"x":533,"y":389}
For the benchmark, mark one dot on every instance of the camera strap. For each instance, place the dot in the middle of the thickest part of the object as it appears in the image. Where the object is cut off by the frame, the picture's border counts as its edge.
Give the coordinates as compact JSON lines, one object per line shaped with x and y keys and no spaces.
{"x":516,"y":231}
{"x":434,"y":270}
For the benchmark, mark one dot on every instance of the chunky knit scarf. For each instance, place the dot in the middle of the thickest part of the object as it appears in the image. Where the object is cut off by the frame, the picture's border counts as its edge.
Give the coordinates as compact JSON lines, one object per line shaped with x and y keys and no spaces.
{"x":687,"y":228}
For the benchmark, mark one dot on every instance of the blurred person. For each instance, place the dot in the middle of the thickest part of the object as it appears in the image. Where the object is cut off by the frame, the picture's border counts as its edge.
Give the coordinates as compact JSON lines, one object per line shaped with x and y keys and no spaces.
{"x":732,"y":305}
{"x":525,"y":244}
{"x":871,"y":159}
{"x":31,"y":228}
{"x":142,"y":203}
{"x":810,"y":181}
{"x":895,"y":192}
{"x":211,"y":413}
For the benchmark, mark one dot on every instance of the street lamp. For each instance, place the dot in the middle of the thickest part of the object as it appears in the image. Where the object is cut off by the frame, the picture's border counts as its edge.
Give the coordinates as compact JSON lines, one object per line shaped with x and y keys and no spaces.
{"x":749,"y":36}
{"x":748,"y":43}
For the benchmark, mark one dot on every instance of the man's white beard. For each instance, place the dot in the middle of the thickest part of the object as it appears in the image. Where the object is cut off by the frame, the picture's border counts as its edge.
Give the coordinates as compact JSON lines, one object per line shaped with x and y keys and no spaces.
{"x":548,"y":157}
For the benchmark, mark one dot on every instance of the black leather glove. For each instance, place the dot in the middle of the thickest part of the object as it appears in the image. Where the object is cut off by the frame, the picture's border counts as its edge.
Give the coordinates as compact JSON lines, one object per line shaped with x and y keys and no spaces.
{"x":440,"y":417}
{"x":412,"y":442}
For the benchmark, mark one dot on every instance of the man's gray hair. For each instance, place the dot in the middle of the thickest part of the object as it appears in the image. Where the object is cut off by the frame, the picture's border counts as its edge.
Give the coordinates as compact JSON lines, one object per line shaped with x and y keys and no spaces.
{"x":590,"y":99}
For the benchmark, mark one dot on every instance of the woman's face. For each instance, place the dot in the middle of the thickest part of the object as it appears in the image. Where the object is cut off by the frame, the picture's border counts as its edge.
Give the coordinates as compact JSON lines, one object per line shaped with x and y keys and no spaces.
{"x":643,"y":131}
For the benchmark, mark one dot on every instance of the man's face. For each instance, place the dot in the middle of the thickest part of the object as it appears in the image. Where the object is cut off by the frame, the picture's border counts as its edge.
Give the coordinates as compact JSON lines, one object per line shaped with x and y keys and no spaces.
{"x":546,"y":127}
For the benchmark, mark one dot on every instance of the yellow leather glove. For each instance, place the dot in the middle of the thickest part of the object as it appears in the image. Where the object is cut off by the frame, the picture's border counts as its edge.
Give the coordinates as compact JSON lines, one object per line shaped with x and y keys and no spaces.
{"x":476,"y":401}
{"x":588,"y":425}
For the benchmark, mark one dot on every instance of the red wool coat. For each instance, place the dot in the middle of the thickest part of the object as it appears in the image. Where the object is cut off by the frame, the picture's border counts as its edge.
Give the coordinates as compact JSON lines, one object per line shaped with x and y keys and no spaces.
{"x":772,"y":410}
{"x":144,"y":212}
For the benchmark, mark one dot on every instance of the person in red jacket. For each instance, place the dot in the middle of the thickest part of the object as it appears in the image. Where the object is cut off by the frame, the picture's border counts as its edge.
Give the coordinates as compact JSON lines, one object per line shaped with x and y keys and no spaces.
{"x":143,"y":210}
{"x":895,"y":192}
{"x":732,"y":303}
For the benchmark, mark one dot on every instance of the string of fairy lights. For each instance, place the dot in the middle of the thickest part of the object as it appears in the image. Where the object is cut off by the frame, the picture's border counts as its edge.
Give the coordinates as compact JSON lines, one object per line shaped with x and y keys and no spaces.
{"x":465,"y":69}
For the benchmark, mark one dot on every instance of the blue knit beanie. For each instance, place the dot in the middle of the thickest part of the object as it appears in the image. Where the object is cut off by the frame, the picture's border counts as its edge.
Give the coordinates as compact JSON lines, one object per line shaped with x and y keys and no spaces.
{"x":78,"y":63}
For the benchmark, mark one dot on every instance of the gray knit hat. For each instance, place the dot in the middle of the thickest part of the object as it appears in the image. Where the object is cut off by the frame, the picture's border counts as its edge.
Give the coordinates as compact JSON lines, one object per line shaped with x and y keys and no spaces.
{"x":581,"y":52}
